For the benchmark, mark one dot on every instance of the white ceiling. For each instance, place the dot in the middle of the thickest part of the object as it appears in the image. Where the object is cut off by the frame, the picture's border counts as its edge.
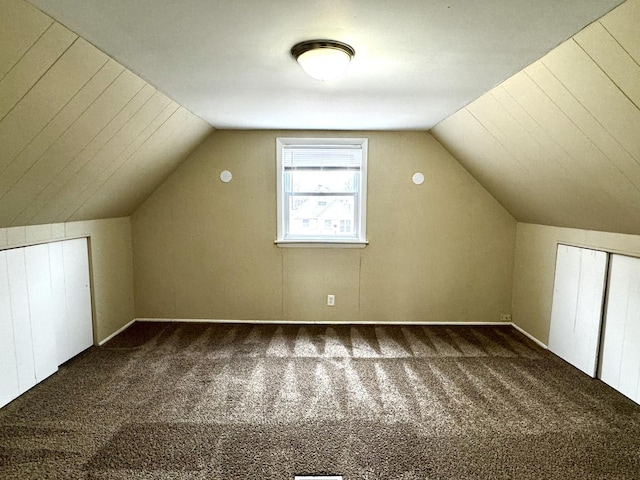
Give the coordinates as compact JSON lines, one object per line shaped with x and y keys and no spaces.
{"x":417,"y":62}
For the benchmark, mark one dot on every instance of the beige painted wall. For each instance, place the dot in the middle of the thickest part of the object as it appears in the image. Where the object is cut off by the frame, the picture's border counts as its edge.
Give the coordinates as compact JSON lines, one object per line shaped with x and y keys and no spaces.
{"x":535,"y":268}
{"x":442,"y":251}
{"x":111,"y":264}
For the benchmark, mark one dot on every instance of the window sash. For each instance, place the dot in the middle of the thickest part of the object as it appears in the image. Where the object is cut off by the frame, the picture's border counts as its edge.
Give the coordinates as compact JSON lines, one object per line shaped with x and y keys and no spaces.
{"x":316,"y":155}
{"x":356,"y":214}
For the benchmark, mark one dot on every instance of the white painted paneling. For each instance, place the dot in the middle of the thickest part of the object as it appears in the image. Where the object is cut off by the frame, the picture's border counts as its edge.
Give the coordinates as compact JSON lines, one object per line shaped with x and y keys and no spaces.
{"x":69,"y":118}
{"x":40,"y":303}
{"x":19,"y":297}
{"x":620,"y":365}
{"x":578,"y":296}
{"x":32,"y":65}
{"x":58,"y":302}
{"x":579,"y":107}
{"x":78,"y":295}
{"x":45,"y":312}
{"x":21,"y":25}
{"x":9,"y":388}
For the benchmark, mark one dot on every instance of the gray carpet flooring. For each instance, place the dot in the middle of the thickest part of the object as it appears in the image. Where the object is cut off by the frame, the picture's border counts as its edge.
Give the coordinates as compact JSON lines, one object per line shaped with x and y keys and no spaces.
{"x":237,"y":401}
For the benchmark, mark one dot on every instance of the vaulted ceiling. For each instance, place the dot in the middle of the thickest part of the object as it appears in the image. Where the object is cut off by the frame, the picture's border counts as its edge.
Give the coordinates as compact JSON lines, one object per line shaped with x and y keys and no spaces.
{"x":556,"y":142}
{"x":559,"y":142}
{"x":416,"y":61}
{"x":81,"y":136}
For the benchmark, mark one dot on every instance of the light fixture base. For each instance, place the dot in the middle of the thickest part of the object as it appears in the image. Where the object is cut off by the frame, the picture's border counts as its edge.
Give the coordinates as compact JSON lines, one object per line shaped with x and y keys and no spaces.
{"x":323,"y":59}
{"x":303,"y":47}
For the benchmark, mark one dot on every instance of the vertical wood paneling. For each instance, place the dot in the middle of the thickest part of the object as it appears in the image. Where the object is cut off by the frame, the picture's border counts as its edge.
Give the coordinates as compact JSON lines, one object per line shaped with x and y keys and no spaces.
{"x":578,"y":296}
{"x":40,"y":303}
{"x":19,"y":297}
{"x":620,"y":365}
{"x":9,"y":388}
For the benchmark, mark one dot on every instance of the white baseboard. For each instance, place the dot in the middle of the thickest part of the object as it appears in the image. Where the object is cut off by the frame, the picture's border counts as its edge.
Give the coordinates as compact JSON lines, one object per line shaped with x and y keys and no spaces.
{"x":321,"y":322}
{"x":120,"y":330}
{"x":529,"y":336}
{"x":314,"y":322}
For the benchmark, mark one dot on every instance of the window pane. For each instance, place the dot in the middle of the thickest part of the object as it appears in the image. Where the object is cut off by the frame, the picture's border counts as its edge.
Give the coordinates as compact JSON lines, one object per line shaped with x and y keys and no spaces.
{"x":322,"y":181}
{"x":321,"y":190}
{"x":308,"y":215}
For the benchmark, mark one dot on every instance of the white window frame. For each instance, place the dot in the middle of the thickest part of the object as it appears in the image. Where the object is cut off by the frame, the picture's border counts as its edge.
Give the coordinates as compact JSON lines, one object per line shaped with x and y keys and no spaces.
{"x":358,"y":240}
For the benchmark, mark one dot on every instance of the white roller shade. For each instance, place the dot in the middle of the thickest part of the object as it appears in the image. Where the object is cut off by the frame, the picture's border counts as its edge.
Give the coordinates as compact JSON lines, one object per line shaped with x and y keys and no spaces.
{"x":312,"y":157}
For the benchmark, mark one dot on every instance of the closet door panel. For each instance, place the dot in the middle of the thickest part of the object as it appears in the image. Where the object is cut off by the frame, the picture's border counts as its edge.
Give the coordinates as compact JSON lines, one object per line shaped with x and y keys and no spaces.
{"x":9,"y":388}
{"x":620,"y":364}
{"x":19,"y":297}
{"x":78,"y":295}
{"x":40,"y":308}
{"x":59,"y":303}
{"x":577,"y":306}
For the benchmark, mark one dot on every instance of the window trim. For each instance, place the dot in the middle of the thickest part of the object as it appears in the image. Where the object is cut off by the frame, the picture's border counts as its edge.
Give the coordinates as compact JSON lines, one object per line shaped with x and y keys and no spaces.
{"x":359,"y":241}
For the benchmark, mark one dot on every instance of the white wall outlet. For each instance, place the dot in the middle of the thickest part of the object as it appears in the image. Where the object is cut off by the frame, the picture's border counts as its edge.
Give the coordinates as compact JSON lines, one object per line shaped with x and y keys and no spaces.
{"x":331,"y":300}
{"x":505,"y":317}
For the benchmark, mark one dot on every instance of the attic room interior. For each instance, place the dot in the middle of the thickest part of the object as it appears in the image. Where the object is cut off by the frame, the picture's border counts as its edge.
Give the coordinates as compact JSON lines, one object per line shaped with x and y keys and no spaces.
{"x":190,"y":289}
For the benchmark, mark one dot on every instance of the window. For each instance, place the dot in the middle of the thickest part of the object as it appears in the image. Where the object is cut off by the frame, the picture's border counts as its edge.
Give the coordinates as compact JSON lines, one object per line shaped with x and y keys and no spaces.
{"x":322,"y":187}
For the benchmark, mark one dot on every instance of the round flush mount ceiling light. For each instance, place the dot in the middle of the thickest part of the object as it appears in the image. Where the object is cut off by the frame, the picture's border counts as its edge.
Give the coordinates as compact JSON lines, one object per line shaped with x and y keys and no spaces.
{"x":323,"y":59}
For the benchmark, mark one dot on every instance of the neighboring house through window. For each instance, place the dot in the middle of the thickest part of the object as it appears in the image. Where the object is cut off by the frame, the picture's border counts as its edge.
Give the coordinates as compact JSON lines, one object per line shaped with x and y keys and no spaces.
{"x":322,"y":185}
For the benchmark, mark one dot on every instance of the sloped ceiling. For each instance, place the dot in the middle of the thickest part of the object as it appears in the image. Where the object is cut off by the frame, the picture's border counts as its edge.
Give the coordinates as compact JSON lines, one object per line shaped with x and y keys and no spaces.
{"x":81,"y":137}
{"x":416,"y":61}
{"x":559,"y":142}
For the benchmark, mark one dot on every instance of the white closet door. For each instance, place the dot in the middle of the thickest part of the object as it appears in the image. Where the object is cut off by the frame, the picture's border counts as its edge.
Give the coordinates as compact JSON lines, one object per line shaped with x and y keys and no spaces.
{"x":42,"y":325}
{"x":59,"y":302}
{"x":620,"y":364}
{"x":9,"y":388}
{"x":578,"y":296}
{"x":19,"y":297}
{"x":78,"y":295}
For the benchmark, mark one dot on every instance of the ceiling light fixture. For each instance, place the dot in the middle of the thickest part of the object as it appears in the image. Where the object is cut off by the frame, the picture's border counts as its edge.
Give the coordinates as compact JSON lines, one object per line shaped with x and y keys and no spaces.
{"x":323,"y":59}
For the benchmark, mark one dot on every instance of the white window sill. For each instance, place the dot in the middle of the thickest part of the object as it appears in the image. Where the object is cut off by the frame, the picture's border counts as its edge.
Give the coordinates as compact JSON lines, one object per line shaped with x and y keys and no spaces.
{"x":321,"y":243}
